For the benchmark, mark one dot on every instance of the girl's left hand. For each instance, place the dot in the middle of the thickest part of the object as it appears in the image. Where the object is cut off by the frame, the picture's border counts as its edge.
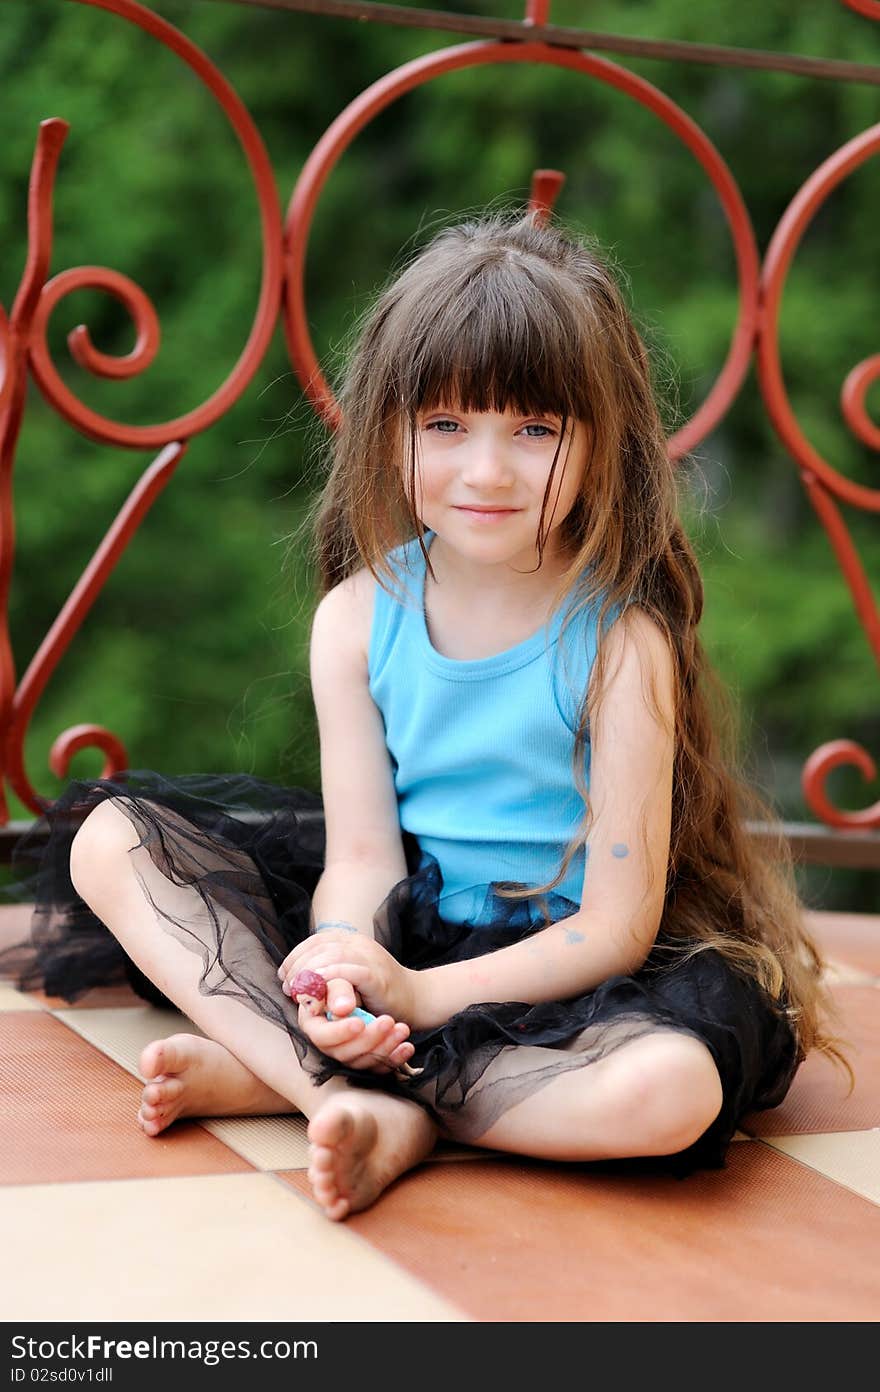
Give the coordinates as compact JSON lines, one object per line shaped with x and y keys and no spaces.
{"x":384,"y":985}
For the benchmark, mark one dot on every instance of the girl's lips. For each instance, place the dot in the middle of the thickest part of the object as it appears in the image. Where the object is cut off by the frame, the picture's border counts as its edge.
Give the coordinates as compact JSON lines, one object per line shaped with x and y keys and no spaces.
{"x":488,"y":515}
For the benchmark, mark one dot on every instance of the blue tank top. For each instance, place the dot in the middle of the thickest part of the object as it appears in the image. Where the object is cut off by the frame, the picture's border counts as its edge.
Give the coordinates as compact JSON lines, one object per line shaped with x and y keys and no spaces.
{"x":481,"y":748}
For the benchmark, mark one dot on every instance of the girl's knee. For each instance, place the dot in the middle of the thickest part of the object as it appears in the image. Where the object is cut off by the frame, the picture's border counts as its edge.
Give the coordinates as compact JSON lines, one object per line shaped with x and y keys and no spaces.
{"x":675,"y":1090}
{"x":105,"y":835}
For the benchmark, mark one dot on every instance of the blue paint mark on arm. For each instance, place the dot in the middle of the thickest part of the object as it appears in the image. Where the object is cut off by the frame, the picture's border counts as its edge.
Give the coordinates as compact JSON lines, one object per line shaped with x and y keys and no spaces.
{"x":620,"y":851}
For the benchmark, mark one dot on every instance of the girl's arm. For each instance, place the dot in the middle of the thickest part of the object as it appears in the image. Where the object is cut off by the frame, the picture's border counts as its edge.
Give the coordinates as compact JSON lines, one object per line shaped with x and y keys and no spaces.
{"x":633,"y":745}
{"x":364,"y":856}
{"x":348,"y":894}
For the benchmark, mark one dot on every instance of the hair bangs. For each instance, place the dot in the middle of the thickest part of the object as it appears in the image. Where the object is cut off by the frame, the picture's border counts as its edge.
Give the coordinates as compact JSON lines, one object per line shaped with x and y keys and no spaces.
{"x":497,"y":344}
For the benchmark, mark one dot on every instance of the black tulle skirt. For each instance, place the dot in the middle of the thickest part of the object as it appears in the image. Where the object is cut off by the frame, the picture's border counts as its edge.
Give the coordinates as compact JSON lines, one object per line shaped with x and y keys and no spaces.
{"x":250,"y":854}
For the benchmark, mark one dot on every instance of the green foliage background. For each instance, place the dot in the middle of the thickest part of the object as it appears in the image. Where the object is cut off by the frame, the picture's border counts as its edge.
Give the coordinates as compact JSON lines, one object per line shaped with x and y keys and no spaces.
{"x":195,"y":654}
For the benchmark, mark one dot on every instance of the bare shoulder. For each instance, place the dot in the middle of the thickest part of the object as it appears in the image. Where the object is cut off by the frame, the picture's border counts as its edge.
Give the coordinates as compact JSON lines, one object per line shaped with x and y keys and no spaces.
{"x":640,"y":658}
{"x":345,"y":613}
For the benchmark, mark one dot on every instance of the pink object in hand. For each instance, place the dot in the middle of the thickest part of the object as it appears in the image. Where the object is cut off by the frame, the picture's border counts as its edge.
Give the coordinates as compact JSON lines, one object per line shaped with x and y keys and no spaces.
{"x":308,"y":988}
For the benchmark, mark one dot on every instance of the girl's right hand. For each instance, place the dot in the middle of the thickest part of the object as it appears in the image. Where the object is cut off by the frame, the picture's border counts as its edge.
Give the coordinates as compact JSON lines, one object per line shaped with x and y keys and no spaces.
{"x":380,"y":1045}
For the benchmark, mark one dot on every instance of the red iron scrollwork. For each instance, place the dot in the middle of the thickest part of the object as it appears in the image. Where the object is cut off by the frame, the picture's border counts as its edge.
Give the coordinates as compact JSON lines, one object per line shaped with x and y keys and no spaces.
{"x":23,"y":344}
{"x":869,"y":8}
{"x":822,"y":482}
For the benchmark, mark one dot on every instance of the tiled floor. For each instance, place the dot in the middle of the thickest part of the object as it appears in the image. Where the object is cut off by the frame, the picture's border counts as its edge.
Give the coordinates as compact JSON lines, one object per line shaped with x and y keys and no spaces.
{"x":213,"y":1219}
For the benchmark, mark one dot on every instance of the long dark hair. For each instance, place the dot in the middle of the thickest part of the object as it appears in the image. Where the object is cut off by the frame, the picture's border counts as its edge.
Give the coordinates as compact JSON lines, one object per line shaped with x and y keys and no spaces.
{"x":510,"y":311}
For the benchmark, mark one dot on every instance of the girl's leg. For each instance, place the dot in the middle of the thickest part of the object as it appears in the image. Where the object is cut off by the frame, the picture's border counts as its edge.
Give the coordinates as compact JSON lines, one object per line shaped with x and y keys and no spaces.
{"x":653,"y":1096}
{"x":365,"y":1141}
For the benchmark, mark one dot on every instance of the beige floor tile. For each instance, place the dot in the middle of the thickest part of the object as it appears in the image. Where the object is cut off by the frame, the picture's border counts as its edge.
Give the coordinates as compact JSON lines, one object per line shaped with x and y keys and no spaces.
{"x":229,"y":1247}
{"x":281,"y":1143}
{"x":121,"y":1032}
{"x":269,"y":1142}
{"x":10,"y":999}
{"x":851,"y":1158}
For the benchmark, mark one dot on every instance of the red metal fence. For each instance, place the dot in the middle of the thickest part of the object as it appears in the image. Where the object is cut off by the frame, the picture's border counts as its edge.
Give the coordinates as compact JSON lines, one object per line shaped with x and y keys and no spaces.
{"x":854,"y":838}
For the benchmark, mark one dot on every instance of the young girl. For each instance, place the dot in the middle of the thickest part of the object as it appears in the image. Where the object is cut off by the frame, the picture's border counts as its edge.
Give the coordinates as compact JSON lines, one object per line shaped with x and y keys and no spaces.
{"x":529,"y":860}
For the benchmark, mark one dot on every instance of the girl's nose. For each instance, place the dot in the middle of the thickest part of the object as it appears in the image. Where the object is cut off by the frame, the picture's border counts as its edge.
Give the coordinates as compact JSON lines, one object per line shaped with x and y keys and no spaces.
{"x":487,"y":465}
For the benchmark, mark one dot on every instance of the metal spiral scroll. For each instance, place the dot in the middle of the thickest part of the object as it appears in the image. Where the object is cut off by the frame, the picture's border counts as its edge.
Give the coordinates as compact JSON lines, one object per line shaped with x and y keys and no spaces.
{"x":23,"y":342}
{"x":387,"y":89}
{"x":869,"y":8}
{"x":822,"y":482}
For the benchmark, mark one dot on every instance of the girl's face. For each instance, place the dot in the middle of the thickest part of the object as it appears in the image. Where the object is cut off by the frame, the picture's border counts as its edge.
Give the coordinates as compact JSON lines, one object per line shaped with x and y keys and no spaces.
{"x":481,"y":477}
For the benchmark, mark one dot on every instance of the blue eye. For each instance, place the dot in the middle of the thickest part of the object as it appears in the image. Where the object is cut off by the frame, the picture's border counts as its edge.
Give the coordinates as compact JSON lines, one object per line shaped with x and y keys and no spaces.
{"x":436,"y":425}
{"x":535,"y":426}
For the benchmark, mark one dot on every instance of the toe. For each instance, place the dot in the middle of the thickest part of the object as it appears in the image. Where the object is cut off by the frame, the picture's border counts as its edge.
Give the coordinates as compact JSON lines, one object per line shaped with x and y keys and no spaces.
{"x":324,"y":1188}
{"x":150,"y":1062}
{"x":326,"y":1193}
{"x":336,"y":1212}
{"x":170,"y":1089}
{"x":164,"y":1056}
{"x":330,"y":1127}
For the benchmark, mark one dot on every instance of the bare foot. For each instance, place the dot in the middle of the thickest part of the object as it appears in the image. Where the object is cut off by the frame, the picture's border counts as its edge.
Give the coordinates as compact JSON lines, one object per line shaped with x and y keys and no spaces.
{"x":361,"y":1144}
{"x":187,"y":1075}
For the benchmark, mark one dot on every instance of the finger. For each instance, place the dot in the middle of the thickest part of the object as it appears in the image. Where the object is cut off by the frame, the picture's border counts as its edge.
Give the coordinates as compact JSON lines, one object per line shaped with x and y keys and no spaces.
{"x":329,"y":1035}
{"x":284,"y":969}
{"x":380,"y":1050}
{"x":387,"y":1058}
{"x":312,"y":956}
{"x":302,"y":956}
{"x":313,"y":961}
{"x":304,"y":952}
{"x":341,"y":995}
{"x":371,"y":1039}
{"x":323,"y":960}
{"x":350,"y":973}
{"x":368,"y":1047}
